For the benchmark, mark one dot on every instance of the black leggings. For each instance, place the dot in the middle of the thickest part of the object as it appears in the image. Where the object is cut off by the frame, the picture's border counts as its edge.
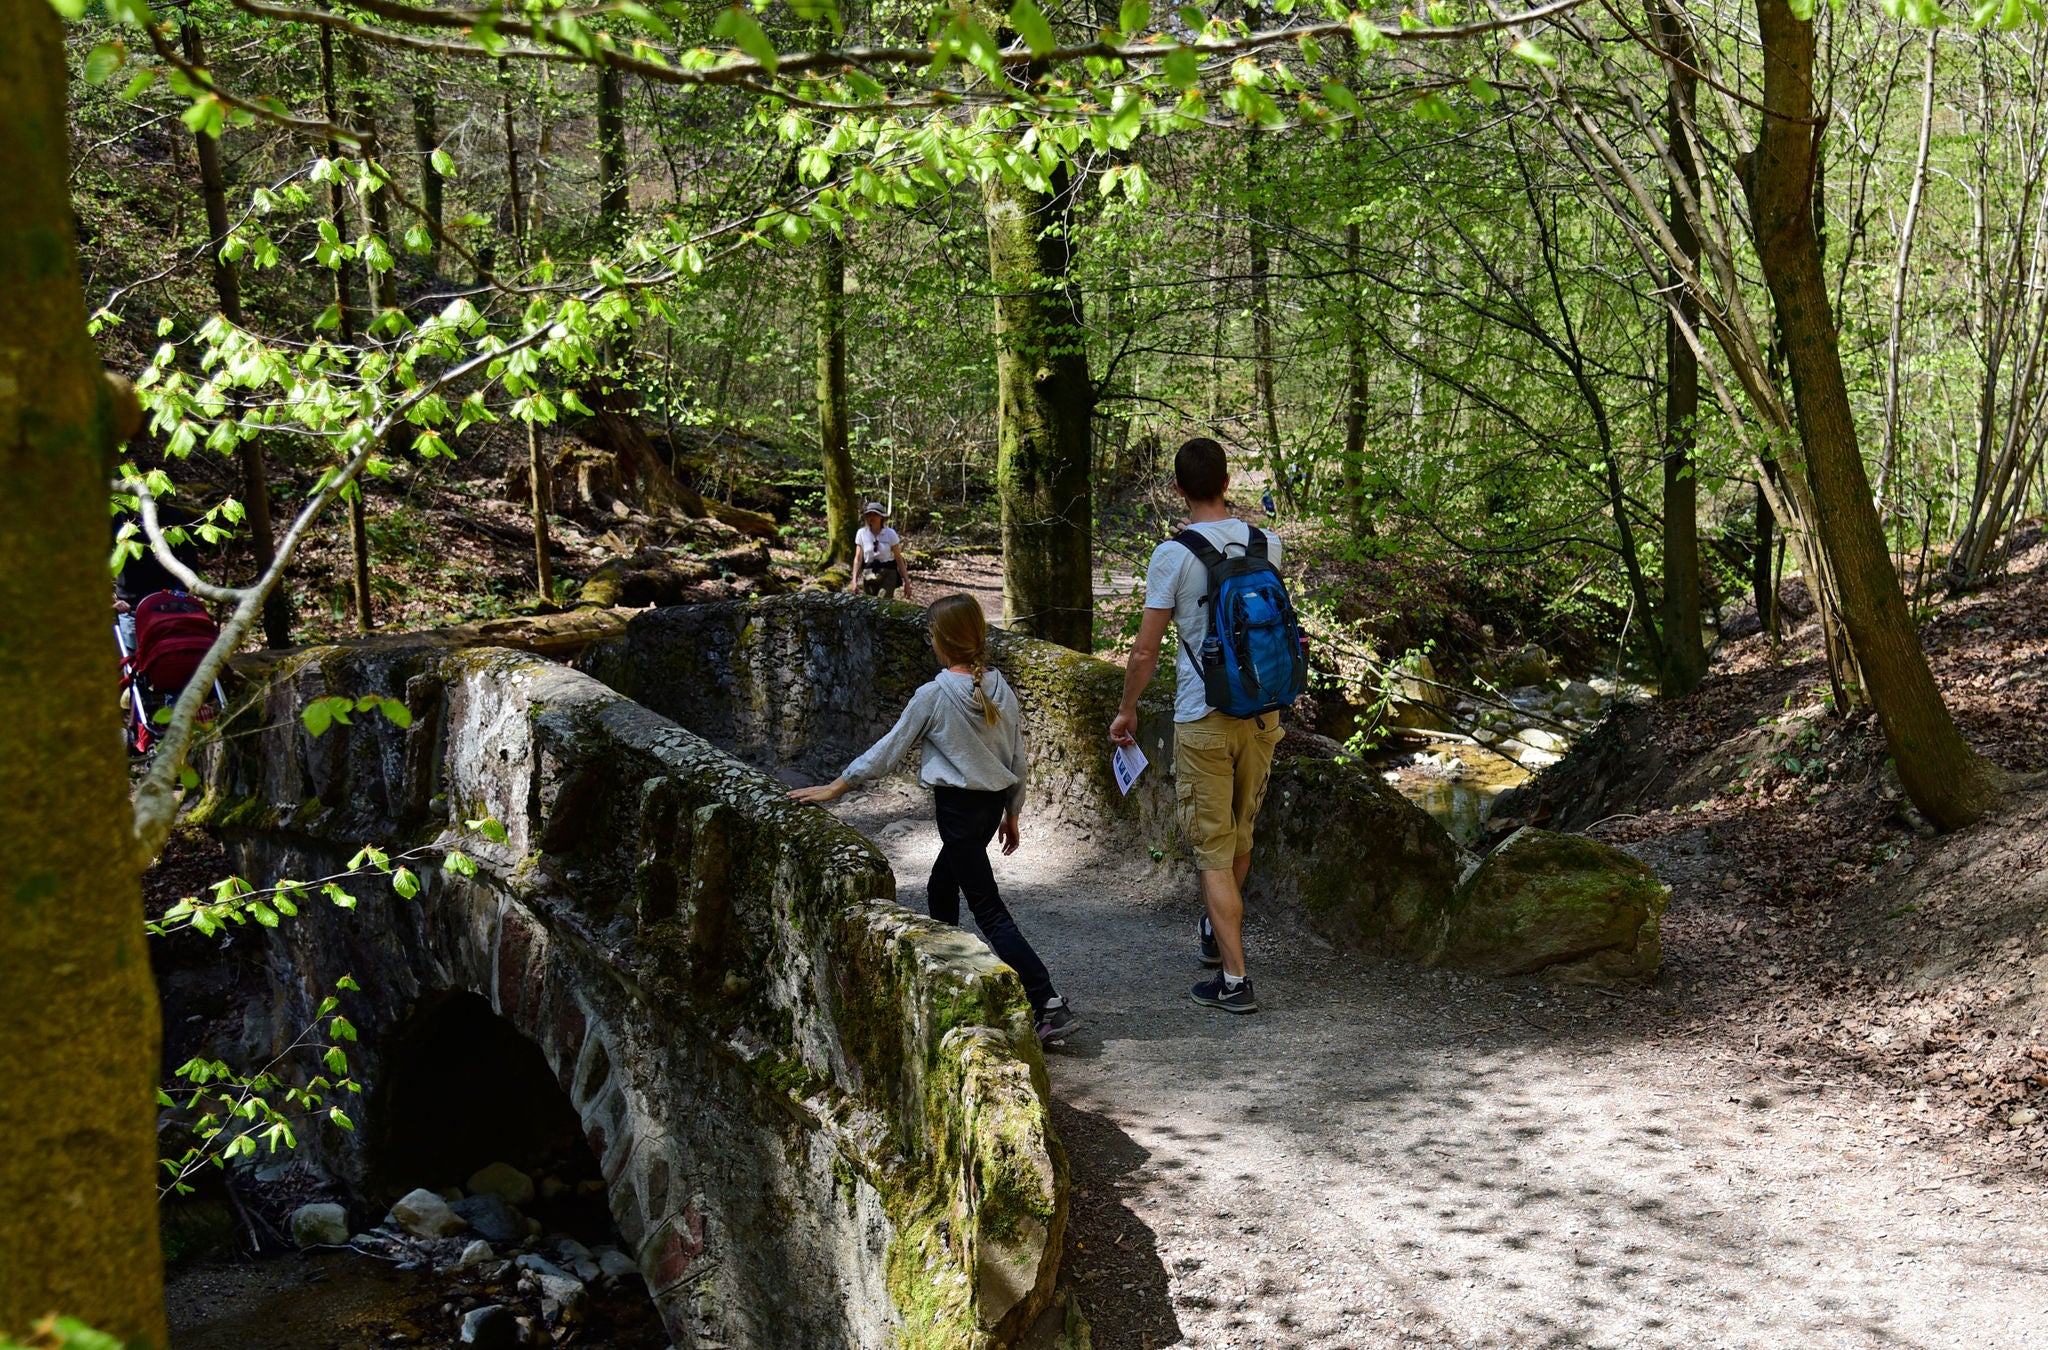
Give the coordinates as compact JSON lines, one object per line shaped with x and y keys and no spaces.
{"x":967,"y":821}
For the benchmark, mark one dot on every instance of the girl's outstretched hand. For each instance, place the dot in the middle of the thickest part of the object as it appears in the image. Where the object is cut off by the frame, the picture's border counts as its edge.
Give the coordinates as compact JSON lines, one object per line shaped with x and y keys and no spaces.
{"x":1008,"y":834}
{"x":819,"y":795}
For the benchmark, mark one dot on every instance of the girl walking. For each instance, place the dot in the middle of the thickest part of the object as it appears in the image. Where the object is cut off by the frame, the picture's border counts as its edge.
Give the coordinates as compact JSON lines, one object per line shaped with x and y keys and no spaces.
{"x":966,"y":719}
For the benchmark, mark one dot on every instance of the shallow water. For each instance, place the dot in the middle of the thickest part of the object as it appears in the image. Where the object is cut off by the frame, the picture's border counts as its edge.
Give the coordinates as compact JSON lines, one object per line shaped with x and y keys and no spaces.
{"x":1459,"y":802}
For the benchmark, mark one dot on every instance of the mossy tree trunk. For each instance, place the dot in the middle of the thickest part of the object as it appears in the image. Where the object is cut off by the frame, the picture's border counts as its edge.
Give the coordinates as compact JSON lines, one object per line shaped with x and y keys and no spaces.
{"x":1946,"y":779}
{"x":842,"y":505}
{"x":612,"y":197}
{"x":78,"y":1016}
{"x":227,"y":290}
{"x":1685,"y":652}
{"x":426,"y":138}
{"x":1046,"y":416}
{"x":345,"y":305}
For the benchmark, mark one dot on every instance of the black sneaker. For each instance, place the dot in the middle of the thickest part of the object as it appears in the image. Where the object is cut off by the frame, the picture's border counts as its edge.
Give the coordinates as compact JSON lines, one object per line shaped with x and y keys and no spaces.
{"x":1056,"y":1021}
{"x":1212,"y":993}
{"x":1205,"y":938}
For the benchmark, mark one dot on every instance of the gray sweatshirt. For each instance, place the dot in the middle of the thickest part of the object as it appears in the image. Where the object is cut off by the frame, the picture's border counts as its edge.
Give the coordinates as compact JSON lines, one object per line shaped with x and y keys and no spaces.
{"x":960,"y":748}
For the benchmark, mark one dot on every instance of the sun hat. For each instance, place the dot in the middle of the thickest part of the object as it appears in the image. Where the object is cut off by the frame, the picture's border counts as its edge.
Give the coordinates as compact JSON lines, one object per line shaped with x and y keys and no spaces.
{"x":874,"y":509}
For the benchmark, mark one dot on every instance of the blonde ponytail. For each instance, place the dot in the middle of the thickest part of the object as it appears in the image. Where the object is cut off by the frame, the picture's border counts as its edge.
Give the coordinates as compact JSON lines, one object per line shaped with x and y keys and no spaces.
{"x":960,"y":637}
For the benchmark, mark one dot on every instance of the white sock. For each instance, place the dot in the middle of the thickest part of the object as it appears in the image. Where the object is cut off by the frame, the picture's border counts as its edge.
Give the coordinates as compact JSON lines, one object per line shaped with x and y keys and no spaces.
{"x":1232,"y":981}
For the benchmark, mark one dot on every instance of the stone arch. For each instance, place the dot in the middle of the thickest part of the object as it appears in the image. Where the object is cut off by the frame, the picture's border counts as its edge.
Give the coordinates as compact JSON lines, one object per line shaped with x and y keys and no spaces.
{"x":777,"y":1069}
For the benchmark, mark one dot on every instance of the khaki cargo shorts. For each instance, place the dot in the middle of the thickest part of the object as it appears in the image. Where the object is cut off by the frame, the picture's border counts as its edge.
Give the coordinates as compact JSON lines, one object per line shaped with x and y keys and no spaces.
{"x":1220,"y":767}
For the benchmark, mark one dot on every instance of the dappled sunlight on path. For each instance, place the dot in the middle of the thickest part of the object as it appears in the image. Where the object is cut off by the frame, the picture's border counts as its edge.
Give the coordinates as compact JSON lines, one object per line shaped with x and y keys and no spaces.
{"x":1386,"y":1155}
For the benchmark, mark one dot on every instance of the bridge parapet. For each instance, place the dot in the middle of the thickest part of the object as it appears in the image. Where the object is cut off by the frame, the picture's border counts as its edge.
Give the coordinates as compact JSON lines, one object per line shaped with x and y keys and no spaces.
{"x":821,"y":1119}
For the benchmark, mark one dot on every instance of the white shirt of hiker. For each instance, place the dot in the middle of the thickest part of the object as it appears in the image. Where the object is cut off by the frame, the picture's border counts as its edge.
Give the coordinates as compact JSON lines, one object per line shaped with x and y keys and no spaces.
{"x":1176,"y":580}
{"x":878,"y":549}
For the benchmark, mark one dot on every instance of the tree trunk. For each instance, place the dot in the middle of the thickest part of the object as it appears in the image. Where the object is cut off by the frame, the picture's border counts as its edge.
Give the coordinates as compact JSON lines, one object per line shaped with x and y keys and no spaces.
{"x":376,"y":204}
{"x":842,"y":506}
{"x":277,"y":618}
{"x":543,"y":495}
{"x":611,"y":150}
{"x":1262,"y":361}
{"x":78,"y":1020}
{"x":1946,"y":779}
{"x":1762,"y":586}
{"x":1357,"y":389}
{"x":1895,"y":337}
{"x":1046,"y":411}
{"x":1685,"y":653}
{"x":426,"y":137}
{"x":518,"y":203}
{"x":344,"y":302}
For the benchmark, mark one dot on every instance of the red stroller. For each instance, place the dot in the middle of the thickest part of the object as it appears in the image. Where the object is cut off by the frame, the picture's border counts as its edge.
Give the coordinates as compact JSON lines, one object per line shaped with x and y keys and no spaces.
{"x":172,"y":635}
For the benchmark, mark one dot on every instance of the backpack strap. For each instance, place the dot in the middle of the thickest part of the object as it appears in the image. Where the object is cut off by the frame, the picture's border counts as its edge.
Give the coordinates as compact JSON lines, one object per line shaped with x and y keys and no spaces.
{"x":1255,"y":547}
{"x":1206,"y":553}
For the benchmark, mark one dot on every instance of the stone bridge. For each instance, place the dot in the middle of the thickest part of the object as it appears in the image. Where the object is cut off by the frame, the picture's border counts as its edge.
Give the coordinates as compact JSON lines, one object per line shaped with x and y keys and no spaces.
{"x":821,"y":1120}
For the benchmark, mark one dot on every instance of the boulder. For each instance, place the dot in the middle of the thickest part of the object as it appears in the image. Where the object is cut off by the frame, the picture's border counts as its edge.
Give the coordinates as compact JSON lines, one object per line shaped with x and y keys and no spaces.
{"x":320,"y":1225}
{"x":1582,"y":698}
{"x":1538,"y":739}
{"x":425,"y":1214}
{"x":615,"y":1264}
{"x":563,"y":1297}
{"x":492,"y":1216}
{"x":1562,"y":906}
{"x":475,"y":1254}
{"x":1417,"y":698}
{"x":505,"y":1181}
{"x":1529,"y":665}
{"x":491,"y":1327}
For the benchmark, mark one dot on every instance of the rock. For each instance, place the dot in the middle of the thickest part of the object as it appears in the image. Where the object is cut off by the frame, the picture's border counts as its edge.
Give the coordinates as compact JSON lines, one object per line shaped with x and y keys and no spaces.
{"x":1530,"y":665}
{"x":492,"y":1216}
{"x":1538,"y":739}
{"x":320,"y":1226}
{"x":1562,"y":906}
{"x":567,"y":1295}
{"x":570,"y":1250}
{"x":450,"y":1193}
{"x":425,"y":1214}
{"x":504,"y":1181}
{"x":1583,"y":698}
{"x":475,"y":1254}
{"x":614,"y":1264}
{"x":539,"y":1265}
{"x":1418,"y":699}
{"x":553,"y":1188}
{"x":2022,"y":1118}
{"x":1532,"y":758}
{"x":491,"y":1327}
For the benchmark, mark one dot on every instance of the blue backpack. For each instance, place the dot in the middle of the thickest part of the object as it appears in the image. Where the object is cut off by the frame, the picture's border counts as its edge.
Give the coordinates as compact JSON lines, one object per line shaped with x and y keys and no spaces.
{"x":1254,"y":659}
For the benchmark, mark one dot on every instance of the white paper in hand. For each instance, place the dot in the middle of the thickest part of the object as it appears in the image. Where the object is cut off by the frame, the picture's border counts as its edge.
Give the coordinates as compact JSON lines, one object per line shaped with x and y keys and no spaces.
{"x":1127,"y":762}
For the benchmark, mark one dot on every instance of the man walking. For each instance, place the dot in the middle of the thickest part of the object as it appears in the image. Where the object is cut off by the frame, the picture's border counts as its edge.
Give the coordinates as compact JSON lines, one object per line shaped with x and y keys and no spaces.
{"x":1220,"y":762}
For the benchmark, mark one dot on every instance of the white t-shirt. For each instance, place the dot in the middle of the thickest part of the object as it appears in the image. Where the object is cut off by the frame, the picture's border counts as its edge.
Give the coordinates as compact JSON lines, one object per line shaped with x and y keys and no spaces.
{"x":1176,"y":580}
{"x":877,"y":550}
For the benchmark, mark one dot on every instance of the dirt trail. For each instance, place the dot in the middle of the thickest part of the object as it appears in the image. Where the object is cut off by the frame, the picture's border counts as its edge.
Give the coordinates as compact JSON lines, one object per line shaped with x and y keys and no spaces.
{"x":1388,"y":1156}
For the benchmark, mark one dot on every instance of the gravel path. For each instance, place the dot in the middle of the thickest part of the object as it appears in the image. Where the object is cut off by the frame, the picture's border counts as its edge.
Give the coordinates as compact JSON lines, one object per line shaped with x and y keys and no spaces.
{"x":1388,"y":1156}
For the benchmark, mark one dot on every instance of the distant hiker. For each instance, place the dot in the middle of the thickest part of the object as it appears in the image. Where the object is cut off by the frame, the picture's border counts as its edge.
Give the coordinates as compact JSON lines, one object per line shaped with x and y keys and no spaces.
{"x":1231,"y":682}
{"x":878,"y":556}
{"x":967,"y":721}
{"x":143,"y":576}
{"x":1266,"y":500}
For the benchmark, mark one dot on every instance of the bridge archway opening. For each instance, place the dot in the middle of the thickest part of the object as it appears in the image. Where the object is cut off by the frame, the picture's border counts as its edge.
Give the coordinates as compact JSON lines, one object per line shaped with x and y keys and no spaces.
{"x":463,"y":1089}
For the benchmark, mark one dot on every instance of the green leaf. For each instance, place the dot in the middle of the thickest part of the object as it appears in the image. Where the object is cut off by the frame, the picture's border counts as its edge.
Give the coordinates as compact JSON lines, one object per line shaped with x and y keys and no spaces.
{"x":106,"y":58}
{"x":1134,"y":16}
{"x":460,"y":863}
{"x":340,"y":1117}
{"x":1365,"y":33}
{"x":489,"y":828}
{"x":444,"y":163}
{"x":341,"y":1029}
{"x":69,"y":9}
{"x":1536,"y":56}
{"x":1483,"y":91}
{"x":1339,"y":96}
{"x":1027,"y":21}
{"x":336,"y":1059}
{"x":405,"y":883}
{"x":347,"y":982}
{"x":738,"y":26}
